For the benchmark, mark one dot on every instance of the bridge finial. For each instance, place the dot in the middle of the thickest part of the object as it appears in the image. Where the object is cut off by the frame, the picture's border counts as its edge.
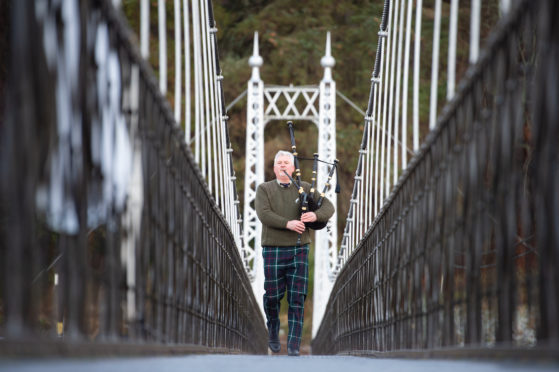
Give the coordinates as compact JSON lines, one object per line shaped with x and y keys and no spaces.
{"x":255,"y":61}
{"x":328,"y":61}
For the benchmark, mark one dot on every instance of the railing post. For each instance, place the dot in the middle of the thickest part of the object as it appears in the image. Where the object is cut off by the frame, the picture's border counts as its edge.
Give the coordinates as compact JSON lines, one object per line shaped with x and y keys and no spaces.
{"x":326,"y":239}
{"x":254,"y":172}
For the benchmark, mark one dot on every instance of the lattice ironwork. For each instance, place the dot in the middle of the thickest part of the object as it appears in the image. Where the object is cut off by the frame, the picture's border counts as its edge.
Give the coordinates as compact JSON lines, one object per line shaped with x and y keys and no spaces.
{"x":291,"y":103}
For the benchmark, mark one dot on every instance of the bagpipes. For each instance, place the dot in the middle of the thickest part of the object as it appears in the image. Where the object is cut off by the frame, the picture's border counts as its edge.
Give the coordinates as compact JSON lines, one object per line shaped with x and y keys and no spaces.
{"x":308,"y":204}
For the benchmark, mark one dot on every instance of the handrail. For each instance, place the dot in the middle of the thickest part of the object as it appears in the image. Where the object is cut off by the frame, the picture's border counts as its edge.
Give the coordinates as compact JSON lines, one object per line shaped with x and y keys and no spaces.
{"x":95,"y":168}
{"x":458,"y":255}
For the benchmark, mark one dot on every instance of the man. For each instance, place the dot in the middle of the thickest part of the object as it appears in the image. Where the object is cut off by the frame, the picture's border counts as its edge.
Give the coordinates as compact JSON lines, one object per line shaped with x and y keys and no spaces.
{"x":285,"y":263}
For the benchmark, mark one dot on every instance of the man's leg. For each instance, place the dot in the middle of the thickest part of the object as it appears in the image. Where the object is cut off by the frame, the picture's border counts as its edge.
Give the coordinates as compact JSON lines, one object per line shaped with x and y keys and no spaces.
{"x":297,"y":278}
{"x":274,"y":285}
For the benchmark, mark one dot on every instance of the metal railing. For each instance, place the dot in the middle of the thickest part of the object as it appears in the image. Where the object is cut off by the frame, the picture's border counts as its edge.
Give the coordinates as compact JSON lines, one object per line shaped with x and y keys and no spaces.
{"x":109,"y":232}
{"x":463,"y":254}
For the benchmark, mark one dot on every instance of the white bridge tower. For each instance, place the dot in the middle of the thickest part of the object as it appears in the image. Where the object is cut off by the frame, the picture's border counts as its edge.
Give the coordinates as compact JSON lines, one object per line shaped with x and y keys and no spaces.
{"x":263,"y":107}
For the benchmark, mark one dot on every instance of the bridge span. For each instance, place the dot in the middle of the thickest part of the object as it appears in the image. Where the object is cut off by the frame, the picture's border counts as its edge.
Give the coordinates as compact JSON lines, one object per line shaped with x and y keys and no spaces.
{"x":122,"y":239}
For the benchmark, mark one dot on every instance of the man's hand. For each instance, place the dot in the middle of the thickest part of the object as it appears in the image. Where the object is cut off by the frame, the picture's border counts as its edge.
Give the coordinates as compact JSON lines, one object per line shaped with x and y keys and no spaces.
{"x":308,"y":217}
{"x":295,"y":225}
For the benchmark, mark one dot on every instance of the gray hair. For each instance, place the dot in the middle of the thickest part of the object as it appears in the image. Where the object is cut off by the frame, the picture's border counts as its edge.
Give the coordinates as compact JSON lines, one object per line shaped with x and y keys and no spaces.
{"x":284,"y":153}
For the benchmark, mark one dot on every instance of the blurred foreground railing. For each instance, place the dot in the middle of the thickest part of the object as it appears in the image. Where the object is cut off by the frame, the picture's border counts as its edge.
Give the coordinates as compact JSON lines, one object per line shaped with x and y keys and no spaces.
{"x":109,"y":234}
{"x":464,"y":253}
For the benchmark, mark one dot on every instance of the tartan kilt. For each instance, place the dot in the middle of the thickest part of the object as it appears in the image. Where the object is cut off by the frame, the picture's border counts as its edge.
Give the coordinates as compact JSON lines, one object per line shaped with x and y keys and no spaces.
{"x":286,"y":269}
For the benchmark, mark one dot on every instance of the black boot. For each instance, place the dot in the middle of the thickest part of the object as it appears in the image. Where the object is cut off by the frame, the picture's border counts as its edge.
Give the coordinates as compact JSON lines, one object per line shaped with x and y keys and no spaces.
{"x":273,"y":336}
{"x":274,"y":344}
{"x":292,"y":352}
{"x":273,"y":340}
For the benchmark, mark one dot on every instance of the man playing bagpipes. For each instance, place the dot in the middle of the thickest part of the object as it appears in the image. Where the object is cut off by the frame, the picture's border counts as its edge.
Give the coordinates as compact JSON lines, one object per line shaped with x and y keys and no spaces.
{"x":284,"y":207}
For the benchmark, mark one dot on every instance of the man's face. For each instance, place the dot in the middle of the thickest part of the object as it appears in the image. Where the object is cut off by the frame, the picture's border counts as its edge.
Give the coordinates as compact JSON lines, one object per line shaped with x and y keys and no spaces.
{"x":283,"y":163}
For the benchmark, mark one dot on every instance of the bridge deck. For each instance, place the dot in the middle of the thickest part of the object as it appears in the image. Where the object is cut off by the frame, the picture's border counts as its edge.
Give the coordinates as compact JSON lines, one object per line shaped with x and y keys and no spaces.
{"x":243,"y":363}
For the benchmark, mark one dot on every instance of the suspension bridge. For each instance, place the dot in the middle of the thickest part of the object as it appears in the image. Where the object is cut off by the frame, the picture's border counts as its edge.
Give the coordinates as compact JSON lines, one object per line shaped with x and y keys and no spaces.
{"x":122,"y":232}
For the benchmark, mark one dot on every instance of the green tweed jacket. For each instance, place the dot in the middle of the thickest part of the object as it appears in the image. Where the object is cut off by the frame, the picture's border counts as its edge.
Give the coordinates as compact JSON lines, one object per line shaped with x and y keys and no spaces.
{"x":276,"y":205}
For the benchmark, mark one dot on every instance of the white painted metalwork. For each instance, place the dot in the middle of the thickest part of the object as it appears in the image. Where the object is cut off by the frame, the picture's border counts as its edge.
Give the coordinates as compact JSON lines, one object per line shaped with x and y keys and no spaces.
{"x":290,"y":96}
{"x":504,"y":6}
{"x":379,"y":166}
{"x":204,"y":109}
{"x":396,"y":107}
{"x":198,"y":105}
{"x":326,"y":240}
{"x":405,"y":92}
{"x":161,"y":14}
{"x":132,"y":217}
{"x":269,"y":103}
{"x":380,"y":131}
{"x":416,"y":62}
{"x":144,"y":28}
{"x":474,"y":30}
{"x":383,"y":186}
{"x":451,"y":82}
{"x":391,"y":64}
{"x":206,"y":122}
{"x":435,"y":66}
{"x":254,"y":173}
{"x":178,"y":61}
{"x":187,"y":108}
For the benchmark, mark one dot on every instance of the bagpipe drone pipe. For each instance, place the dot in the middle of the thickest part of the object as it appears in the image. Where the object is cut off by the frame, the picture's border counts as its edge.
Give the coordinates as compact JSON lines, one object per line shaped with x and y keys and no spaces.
{"x":307,"y":202}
